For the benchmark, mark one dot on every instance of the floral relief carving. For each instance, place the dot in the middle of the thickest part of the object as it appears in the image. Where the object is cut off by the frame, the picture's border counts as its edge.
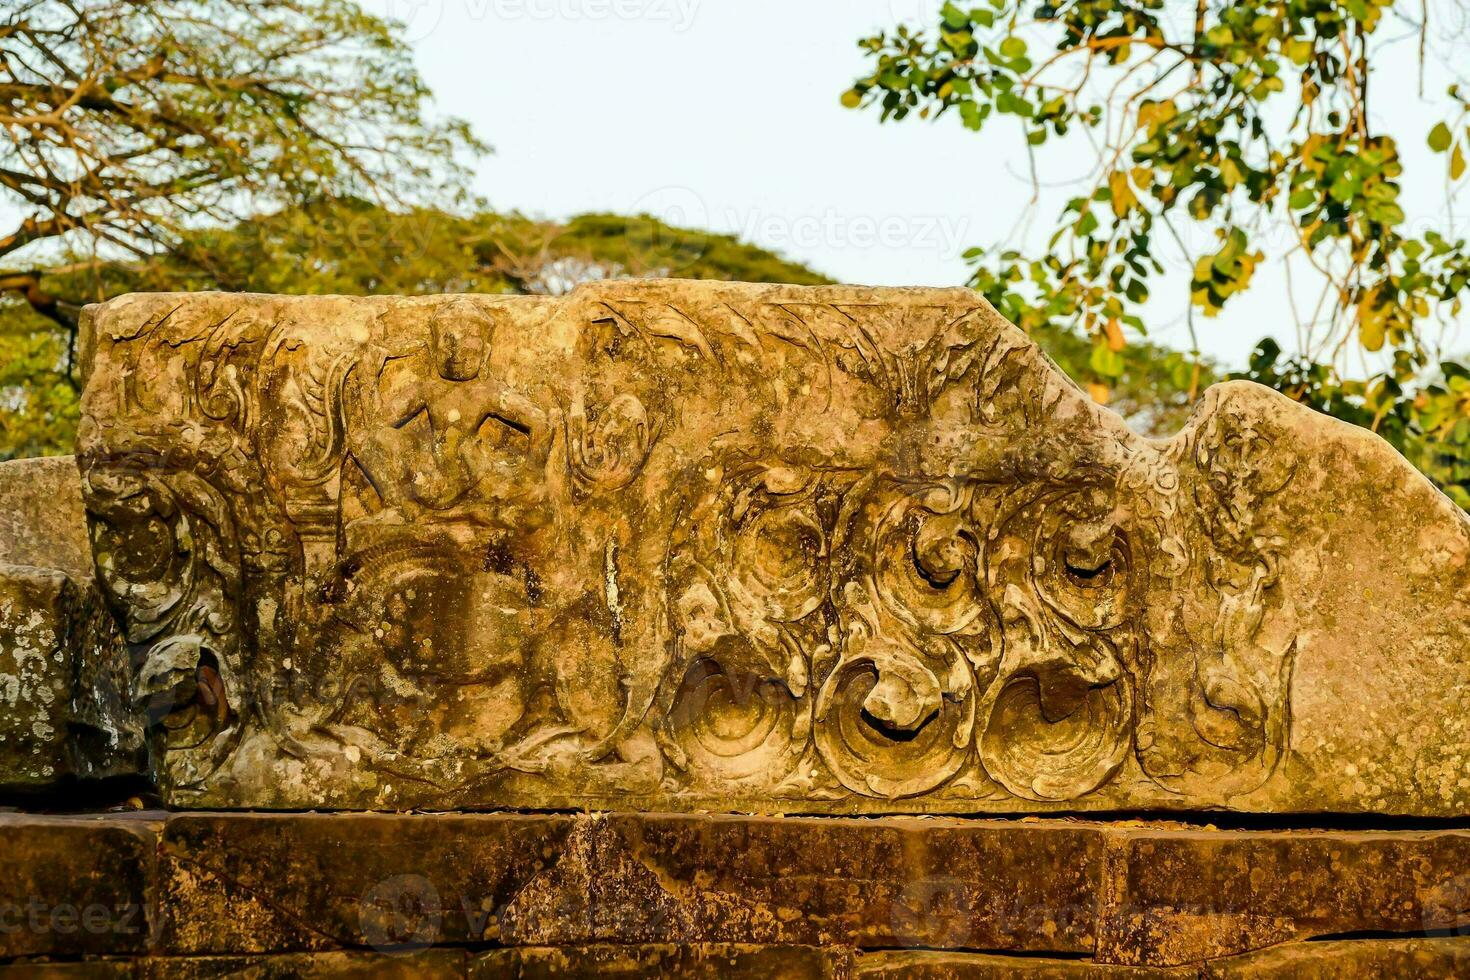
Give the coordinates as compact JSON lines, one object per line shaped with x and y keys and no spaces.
{"x":797,"y":549}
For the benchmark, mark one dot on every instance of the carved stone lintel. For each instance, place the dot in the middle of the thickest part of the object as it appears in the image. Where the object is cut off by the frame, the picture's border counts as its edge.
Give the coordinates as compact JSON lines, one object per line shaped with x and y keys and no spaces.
{"x":679,"y":545}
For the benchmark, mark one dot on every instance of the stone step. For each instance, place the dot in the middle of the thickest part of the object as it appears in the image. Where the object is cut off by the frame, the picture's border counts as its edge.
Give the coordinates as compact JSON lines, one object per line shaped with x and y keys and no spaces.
{"x":1141,"y":894}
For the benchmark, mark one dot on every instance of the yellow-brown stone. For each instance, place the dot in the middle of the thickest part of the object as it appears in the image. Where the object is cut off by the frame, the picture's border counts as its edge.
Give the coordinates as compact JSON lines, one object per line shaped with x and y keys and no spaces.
{"x":675,"y":546}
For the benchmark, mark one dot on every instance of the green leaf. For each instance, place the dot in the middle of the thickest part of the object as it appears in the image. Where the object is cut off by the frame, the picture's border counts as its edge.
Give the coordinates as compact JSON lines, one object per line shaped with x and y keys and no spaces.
{"x":1371,"y":332}
{"x":1457,"y":163}
{"x":1299,"y":50}
{"x":1387,"y":214}
{"x":1106,"y":361}
{"x":1439,"y":138}
{"x":852,"y":98}
{"x":1012,"y":47}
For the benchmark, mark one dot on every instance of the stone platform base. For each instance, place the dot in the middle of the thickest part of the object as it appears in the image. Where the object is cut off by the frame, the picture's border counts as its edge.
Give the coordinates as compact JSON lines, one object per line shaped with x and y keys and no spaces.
{"x":539,"y":895}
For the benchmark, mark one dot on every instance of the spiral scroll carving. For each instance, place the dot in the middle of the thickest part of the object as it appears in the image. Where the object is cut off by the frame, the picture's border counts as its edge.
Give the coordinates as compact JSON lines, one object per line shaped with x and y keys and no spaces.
{"x":733,"y":725}
{"x":677,"y":543}
{"x":1058,"y":720}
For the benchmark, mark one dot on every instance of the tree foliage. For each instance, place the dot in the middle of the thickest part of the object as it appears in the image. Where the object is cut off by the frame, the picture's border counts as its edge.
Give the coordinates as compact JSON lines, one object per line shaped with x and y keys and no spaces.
{"x":127,"y":125}
{"x":38,"y":401}
{"x":1239,"y":118}
{"x":354,"y":247}
{"x":350,"y":247}
{"x":130,"y":126}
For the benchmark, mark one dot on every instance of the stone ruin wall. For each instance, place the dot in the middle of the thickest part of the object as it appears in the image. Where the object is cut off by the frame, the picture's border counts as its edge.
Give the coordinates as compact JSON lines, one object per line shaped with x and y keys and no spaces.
{"x":719,"y":567}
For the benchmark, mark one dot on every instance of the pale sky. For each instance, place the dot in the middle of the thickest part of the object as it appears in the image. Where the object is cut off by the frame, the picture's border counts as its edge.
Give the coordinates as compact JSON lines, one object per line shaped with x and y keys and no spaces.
{"x":724,"y":114}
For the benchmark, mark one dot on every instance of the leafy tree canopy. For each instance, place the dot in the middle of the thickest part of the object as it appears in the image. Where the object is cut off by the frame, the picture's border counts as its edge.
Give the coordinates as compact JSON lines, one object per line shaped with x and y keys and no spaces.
{"x":354,"y":247}
{"x":129,"y":124}
{"x":1245,"y":118}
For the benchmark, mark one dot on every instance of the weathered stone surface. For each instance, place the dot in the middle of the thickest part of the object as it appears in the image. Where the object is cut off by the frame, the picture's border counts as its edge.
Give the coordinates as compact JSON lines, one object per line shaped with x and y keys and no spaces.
{"x":65,"y":703}
{"x":65,"y":708}
{"x":83,"y":969}
{"x":258,"y":884}
{"x":429,"y":964}
{"x":42,"y":521}
{"x":703,"y":962}
{"x":1372,"y":959}
{"x":931,"y":965}
{"x":901,"y":882}
{"x":240,"y":883}
{"x":433,"y":964}
{"x":889,"y":897}
{"x":74,"y":886}
{"x":236,"y":883}
{"x":1185,"y":896}
{"x":663,"y":545}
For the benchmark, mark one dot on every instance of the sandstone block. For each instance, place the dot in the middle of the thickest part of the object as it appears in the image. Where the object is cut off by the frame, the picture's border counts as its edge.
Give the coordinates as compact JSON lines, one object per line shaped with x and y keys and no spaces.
{"x":932,"y":965}
{"x":1365,"y":959}
{"x":439,"y":964}
{"x":242,"y":883}
{"x":208,"y":894}
{"x":75,"y":886}
{"x":65,"y":708}
{"x":701,"y":962}
{"x":233,"y":884}
{"x":664,"y":545}
{"x":896,"y":883}
{"x":1186,"y":896}
{"x":42,"y":520}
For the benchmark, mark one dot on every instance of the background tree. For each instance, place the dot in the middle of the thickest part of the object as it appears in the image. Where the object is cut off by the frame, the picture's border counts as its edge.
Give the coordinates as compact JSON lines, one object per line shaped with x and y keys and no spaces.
{"x":348,"y":246}
{"x":285,"y":146}
{"x":355,"y":247}
{"x":1238,"y":118}
{"x":129,"y":125}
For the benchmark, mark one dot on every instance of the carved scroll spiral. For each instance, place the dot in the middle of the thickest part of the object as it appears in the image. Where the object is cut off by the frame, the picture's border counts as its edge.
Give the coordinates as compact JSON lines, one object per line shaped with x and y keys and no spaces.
{"x":608,"y":446}
{"x":895,"y":716}
{"x":1058,"y":718}
{"x":752,"y":576}
{"x":732,"y":724}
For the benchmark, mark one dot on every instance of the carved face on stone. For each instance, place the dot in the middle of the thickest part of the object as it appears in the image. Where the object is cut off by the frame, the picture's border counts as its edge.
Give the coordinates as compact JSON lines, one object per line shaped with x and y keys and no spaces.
{"x":459,"y":339}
